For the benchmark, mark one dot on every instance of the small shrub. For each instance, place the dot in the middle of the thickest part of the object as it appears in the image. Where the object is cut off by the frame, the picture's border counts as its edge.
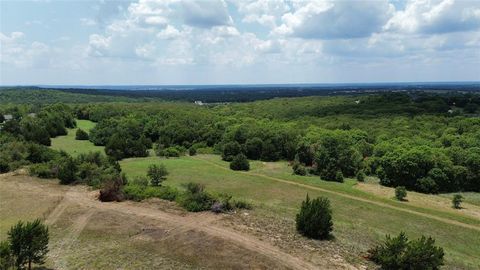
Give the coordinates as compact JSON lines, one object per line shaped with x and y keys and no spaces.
{"x":399,"y":253}
{"x":141,"y":181}
{"x":138,"y":193}
{"x":361,"y":176}
{"x":172,"y":151}
{"x":339,"y":176}
{"x":240,"y":204}
{"x":157,"y":174}
{"x":42,"y":170}
{"x":112,"y":191}
{"x":299,"y":169}
{"x":400,"y":193}
{"x":456,"y":201}
{"x":67,"y":171}
{"x":195,"y":198}
{"x":315,"y":218}
{"x":192,"y":151}
{"x":81,"y":135}
{"x":240,"y":163}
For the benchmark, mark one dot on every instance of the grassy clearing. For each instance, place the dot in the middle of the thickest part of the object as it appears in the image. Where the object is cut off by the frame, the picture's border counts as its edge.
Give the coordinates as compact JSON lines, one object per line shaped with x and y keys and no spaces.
{"x":357,"y":224}
{"x":74,"y":147}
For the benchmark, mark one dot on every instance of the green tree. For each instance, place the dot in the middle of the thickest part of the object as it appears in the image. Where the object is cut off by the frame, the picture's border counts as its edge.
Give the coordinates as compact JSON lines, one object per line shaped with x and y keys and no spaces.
{"x":157,"y":174}
{"x":81,"y":135}
{"x":28,"y":243}
{"x":315,"y":218}
{"x":230,"y":150}
{"x":400,"y":193}
{"x":240,"y":163}
{"x":6,"y":256}
{"x":253,"y":148}
{"x":456,"y":201}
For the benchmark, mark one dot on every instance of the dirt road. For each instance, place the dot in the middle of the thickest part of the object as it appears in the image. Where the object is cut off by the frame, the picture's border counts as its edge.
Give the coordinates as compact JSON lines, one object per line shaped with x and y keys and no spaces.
{"x":180,"y":223}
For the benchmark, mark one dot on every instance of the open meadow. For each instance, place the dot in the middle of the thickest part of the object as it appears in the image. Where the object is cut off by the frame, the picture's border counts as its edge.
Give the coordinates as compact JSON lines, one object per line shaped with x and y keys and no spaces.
{"x":363,"y":212}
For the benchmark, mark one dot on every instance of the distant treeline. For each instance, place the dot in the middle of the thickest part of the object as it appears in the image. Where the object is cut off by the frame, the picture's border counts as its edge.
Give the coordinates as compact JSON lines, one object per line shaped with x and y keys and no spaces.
{"x":217,"y":94}
{"x":425,"y":142}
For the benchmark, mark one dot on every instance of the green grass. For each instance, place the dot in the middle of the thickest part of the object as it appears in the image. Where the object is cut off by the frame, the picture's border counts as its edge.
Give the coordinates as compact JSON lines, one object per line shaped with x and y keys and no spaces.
{"x":74,"y":147}
{"x":468,"y":197}
{"x":358,"y":225}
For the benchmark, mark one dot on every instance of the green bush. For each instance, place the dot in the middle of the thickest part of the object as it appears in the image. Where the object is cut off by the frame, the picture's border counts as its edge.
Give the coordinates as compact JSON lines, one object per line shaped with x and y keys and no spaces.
{"x":360,"y":176}
{"x":81,"y":135}
{"x":240,"y":163}
{"x":42,"y":170}
{"x":315,"y":218}
{"x":195,"y":198}
{"x":157,"y":174}
{"x":339,"y":177}
{"x":456,"y":201}
{"x":399,"y":253}
{"x":241,"y":204}
{"x":67,"y":171}
{"x":192,"y":151}
{"x":299,"y":169}
{"x":400,"y":193}
{"x":426,"y":185}
{"x":173,"y":151}
{"x":138,"y":192}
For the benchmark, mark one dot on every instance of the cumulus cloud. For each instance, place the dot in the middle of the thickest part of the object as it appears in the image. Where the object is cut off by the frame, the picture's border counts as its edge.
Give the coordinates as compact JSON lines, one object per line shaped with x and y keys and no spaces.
{"x":16,"y":51}
{"x":335,"y":19}
{"x":436,"y":17}
{"x":206,"y":13}
{"x":263,"y":12}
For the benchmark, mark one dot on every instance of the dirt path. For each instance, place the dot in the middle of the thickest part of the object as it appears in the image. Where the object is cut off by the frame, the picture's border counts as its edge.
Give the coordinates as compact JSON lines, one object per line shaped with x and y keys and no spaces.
{"x":441,"y":219}
{"x":198,"y":221}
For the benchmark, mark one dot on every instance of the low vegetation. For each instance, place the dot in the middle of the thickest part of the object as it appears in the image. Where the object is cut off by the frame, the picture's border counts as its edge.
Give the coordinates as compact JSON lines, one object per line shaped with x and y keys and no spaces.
{"x":27,"y":244}
{"x":398,"y":253}
{"x":400,"y":193}
{"x":457,"y":201}
{"x":315,"y":218}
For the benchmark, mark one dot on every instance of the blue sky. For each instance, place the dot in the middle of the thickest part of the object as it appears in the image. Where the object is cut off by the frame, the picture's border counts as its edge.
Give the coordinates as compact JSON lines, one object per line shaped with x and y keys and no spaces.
{"x":232,"y":42}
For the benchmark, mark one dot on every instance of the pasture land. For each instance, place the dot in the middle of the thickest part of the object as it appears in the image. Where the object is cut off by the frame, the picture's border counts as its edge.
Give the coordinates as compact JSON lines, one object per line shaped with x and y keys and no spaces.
{"x":363,"y":212}
{"x":361,"y":217}
{"x":74,"y":147}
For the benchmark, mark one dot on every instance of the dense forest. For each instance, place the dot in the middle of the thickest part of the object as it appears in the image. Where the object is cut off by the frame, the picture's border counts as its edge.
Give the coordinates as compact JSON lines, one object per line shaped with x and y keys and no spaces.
{"x":428,"y":142}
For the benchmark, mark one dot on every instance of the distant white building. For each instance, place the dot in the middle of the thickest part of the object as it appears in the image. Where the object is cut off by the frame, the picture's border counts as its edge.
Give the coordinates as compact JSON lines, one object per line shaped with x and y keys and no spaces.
{"x":198,"y":102}
{"x":357,"y":101}
{"x":7,"y":117}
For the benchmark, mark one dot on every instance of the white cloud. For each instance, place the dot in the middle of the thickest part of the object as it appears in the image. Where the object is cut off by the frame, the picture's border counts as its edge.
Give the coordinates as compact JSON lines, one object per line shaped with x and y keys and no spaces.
{"x":335,"y":19}
{"x":16,"y":51}
{"x":206,"y":14}
{"x":436,"y":16}
{"x":264,"y":12}
{"x":87,"y":22}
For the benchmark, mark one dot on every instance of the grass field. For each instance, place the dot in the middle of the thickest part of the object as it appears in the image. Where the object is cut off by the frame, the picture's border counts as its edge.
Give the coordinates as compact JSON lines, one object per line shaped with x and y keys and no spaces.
{"x":74,"y":147}
{"x":363,"y":213}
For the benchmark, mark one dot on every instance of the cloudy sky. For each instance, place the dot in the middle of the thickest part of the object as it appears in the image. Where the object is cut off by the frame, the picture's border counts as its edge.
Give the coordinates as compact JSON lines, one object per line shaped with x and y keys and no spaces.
{"x":231,"y":42}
